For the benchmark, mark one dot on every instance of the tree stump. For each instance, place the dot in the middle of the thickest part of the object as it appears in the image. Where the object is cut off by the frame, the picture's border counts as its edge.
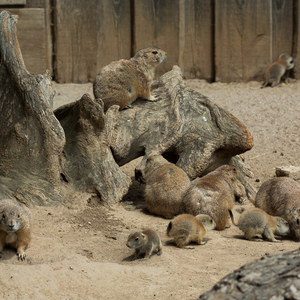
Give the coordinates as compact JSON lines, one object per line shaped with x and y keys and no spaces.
{"x":87,"y":162}
{"x":85,"y":147}
{"x":275,"y":277}
{"x":31,"y":137}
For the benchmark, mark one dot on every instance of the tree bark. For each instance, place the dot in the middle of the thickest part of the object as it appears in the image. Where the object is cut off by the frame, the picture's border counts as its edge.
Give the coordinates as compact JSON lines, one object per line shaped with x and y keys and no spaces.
{"x":275,"y":277}
{"x":87,"y":162}
{"x":31,"y":138}
{"x":184,"y":126}
{"x":181,"y":124}
{"x":85,"y":147}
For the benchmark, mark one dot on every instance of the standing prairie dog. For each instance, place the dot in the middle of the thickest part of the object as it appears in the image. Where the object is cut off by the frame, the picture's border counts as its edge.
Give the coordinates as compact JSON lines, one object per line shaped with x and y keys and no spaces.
{"x":145,"y":242}
{"x":15,"y":226}
{"x":277,"y":69}
{"x":281,"y":197}
{"x":123,"y":81}
{"x":165,"y":187}
{"x":213,"y":194}
{"x":187,"y":228}
{"x":255,"y":221}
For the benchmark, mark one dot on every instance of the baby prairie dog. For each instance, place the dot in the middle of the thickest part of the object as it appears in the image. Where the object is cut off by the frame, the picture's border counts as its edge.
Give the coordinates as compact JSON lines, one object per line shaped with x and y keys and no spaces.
{"x":281,"y":197}
{"x":255,"y":221}
{"x":145,"y":242}
{"x":15,"y":226}
{"x":165,"y":187}
{"x":123,"y":81}
{"x":277,"y":69}
{"x":213,"y":194}
{"x":187,"y":228}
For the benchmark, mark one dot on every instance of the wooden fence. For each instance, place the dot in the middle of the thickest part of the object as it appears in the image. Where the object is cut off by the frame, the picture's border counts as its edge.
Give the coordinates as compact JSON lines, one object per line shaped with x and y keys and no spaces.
{"x":217,"y":40}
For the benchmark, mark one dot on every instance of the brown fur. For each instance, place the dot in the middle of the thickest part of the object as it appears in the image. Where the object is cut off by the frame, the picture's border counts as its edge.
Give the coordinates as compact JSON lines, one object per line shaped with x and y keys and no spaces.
{"x":278,"y":69}
{"x":123,"y":81}
{"x":255,"y":221}
{"x":165,"y":187}
{"x":145,"y":242}
{"x":213,"y":194}
{"x":281,"y":197}
{"x":187,"y":228}
{"x":15,"y":226}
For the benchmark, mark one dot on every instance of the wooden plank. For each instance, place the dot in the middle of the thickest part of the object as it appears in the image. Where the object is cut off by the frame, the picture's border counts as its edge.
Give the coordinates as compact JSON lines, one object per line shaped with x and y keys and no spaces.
{"x":296,"y":40}
{"x":47,"y":6}
{"x":75,"y":40}
{"x":242,"y":39}
{"x":113,"y":32}
{"x":12,"y":2}
{"x":198,"y":34}
{"x":156,"y":23}
{"x":37,"y":3}
{"x":282,"y":27}
{"x":31,"y":31}
{"x":89,"y":37}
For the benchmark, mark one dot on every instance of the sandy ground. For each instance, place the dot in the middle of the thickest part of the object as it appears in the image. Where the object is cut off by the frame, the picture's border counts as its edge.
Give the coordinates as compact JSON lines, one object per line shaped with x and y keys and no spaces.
{"x":78,"y":249}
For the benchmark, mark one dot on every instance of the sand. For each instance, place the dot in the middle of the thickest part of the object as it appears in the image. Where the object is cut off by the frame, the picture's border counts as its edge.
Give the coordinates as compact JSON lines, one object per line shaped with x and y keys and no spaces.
{"x":78,"y":250}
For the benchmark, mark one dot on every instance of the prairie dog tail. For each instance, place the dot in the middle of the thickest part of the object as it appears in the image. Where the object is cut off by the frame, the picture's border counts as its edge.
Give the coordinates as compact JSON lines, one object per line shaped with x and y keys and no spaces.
{"x":231,"y":217}
{"x":169,"y":228}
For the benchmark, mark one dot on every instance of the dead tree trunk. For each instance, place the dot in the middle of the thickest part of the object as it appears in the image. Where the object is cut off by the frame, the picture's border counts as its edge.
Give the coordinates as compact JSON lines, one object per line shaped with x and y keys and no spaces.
{"x":184,"y":126}
{"x":31,"y":138}
{"x":87,"y":161}
{"x":275,"y":277}
{"x":87,"y":147}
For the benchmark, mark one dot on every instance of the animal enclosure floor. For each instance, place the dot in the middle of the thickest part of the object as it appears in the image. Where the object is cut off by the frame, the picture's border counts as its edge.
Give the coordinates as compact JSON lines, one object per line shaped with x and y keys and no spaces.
{"x":78,"y":248}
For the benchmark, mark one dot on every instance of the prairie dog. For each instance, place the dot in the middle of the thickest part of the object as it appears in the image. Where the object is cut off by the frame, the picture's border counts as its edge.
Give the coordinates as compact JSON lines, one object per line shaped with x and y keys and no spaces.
{"x":165,"y":187}
{"x":145,"y":242}
{"x":281,"y":197}
{"x":255,"y":221}
{"x":123,"y":81}
{"x":15,"y":226}
{"x":277,"y":69}
{"x":187,"y":228}
{"x":213,"y":194}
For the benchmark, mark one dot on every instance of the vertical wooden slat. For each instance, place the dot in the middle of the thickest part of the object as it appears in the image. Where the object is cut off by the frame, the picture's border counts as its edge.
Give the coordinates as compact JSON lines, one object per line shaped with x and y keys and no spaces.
{"x":45,"y":4}
{"x":89,"y":35}
{"x":282,"y":27}
{"x":75,"y":40}
{"x":242,"y":39}
{"x":157,"y":24}
{"x":296,"y":40}
{"x":198,"y":52}
{"x":114,"y":31}
{"x":32,"y":37}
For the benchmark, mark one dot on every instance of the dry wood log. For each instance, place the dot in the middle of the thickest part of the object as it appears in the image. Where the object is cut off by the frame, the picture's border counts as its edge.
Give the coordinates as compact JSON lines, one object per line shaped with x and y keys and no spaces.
{"x":87,"y":147}
{"x":184,"y":126}
{"x":275,"y":277}
{"x":31,"y":138}
{"x":87,"y":162}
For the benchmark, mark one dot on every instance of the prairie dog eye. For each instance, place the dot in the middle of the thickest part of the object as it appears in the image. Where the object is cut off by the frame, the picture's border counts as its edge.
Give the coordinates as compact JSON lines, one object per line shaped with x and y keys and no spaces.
{"x":3,"y":216}
{"x":154,"y":52}
{"x":137,"y":239}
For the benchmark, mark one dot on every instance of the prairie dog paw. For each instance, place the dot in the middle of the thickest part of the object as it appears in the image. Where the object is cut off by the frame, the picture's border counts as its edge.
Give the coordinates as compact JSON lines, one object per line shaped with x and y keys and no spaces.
{"x":21,"y":256}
